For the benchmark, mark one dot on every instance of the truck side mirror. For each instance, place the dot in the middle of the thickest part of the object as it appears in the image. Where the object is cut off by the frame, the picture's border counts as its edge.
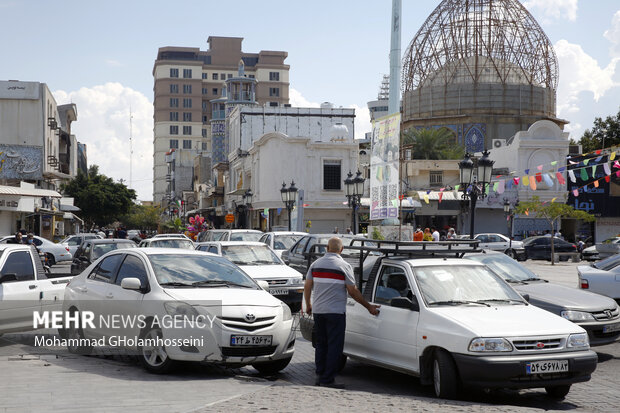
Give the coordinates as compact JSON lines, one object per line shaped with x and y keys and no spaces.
{"x":8,"y":277}
{"x":404,"y":302}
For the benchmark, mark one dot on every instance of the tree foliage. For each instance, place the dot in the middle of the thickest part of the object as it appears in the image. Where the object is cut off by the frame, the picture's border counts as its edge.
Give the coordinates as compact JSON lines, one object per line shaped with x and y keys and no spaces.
{"x":607,"y":131}
{"x":142,"y":217}
{"x":432,"y":144}
{"x":552,"y":212}
{"x":101,"y":200}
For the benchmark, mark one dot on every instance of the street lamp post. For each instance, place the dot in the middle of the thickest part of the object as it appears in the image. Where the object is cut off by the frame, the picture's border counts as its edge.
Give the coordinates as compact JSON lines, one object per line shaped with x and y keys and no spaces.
{"x":354,"y":189}
{"x":475,"y":187}
{"x":289,"y":195}
{"x":508,"y":213}
{"x":247,"y":203}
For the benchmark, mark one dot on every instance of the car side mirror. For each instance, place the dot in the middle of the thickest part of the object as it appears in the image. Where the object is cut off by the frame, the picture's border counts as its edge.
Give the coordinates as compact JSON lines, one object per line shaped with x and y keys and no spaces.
{"x":526,"y":297}
{"x":404,"y":302}
{"x":131,"y":283}
{"x":263,"y":284}
{"x":8,"y":277}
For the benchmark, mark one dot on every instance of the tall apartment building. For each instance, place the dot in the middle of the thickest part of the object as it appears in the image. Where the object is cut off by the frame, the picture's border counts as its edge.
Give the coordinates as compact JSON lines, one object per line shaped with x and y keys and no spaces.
{"x":188,"y":92}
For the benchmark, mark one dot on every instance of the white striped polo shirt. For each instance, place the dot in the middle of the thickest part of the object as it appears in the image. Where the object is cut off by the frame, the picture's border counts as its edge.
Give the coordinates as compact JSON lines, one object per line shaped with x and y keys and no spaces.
{"x":330,"y":275}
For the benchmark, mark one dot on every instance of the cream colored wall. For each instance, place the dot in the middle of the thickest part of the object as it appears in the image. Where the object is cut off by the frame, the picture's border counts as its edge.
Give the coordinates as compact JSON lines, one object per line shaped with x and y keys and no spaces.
{"x":163,"y":71}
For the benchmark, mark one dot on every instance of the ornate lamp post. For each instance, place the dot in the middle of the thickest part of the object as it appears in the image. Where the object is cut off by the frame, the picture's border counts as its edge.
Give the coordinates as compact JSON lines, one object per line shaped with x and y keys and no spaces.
{"x":247,"y":204}
{"x":475,"y":187}
{"x":289,"y":195}
{"x":508,"y":211}
{"x":354,"y":189}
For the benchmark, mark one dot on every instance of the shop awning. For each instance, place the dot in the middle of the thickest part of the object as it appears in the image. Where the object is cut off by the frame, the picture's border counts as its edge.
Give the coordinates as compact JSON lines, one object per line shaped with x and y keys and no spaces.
{"x":69,"y":208}
{"x":238,"y":192}
{"x":35,"y":192}
{"x":72,"y":216}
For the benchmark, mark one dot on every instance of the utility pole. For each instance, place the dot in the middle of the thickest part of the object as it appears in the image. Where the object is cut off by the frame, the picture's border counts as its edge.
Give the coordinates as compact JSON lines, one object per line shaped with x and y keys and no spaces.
{"x":130,"y":148}
{"x":394,"y":97}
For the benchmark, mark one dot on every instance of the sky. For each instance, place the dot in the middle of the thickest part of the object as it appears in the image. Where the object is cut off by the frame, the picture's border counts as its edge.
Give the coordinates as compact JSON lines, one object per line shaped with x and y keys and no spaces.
{"x":100,"y":56}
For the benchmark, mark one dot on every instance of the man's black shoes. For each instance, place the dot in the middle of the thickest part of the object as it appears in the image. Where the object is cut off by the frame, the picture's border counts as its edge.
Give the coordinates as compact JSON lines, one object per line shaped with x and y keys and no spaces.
{"x":332,"y":385}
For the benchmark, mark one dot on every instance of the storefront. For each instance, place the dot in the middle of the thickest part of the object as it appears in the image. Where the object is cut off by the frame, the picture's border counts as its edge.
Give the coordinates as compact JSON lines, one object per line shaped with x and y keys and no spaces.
{"x":29,"y":208}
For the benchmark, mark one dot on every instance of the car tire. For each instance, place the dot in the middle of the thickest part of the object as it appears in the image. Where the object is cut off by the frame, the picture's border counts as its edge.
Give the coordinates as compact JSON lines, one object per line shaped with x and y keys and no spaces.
{"x":445,"y":376}
{"x":272,"y":367}
{"x":76,"y":333}
{"x":51,"y":260}
{"x":511,"y":253}
{"x":558,"y":392}
{"x":154,"y":358}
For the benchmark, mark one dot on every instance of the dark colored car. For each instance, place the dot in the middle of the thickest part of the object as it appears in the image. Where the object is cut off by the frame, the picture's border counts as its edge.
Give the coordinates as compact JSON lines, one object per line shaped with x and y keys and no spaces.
{"x":91,"y":250}
{"x":539,"y":248}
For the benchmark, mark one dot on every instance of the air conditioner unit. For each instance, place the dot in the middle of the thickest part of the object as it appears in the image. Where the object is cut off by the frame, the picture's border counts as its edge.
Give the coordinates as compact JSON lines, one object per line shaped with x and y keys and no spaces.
{"x":499,"y":143}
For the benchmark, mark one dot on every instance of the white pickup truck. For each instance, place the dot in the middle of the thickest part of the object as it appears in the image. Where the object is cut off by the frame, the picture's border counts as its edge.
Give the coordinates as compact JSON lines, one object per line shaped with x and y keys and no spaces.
{"x":24,"y":288}
{"x":455,"y":323}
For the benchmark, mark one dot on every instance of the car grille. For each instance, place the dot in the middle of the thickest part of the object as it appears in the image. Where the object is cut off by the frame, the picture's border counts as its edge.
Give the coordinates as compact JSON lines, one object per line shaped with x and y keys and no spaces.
{"x":533,"y":344}
{"x":247,"y":351}
{"x":276,"y":282}
{"x":239,"y":323}
{"x":606,"y":315}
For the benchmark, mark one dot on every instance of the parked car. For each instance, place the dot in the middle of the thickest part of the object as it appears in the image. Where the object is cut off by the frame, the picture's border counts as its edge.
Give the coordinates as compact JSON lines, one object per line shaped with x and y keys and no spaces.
{"x":609,"y":247}
{"x":170,"y":236}
{"x":230,"y":235}
{"x":74,"y":241}
{"x":280,"y":241}
{"x":597,"y":314}
{"x":602,"y":277}
{"x":249,"y":325}
{"x":55,"y":253}
{"x":167,"y":242}
{"x":539,"y":247}
{"x":501,"y":243}
{"x":455,"y":323}
{"x":260,"y":262}
{"x":590,"y":254}
{"x":92,"y":249}
{"x":297,"y":256}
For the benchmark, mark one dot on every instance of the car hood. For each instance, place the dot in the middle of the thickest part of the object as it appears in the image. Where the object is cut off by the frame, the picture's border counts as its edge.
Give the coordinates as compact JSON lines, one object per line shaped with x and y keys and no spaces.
{"x":508,"y":320}
{"x":269,"y":272}
{"x":216,"y":296}
{"x":547,"y":295}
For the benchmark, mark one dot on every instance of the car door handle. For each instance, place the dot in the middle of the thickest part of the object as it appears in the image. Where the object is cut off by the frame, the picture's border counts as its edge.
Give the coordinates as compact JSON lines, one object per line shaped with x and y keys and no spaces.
{"x":350,"y":303}
{"x":109,"y":295}
{"x":32,"y":286}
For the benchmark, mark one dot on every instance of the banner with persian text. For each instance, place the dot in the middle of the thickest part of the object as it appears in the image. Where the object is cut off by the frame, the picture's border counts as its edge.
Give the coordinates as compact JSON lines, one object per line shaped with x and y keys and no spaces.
{"x":384,"y":165}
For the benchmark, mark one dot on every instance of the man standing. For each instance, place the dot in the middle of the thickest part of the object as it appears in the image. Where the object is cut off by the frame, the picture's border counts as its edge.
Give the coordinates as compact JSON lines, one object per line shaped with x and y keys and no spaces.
{"x":435,"y":234}
{"x":331,"y":277}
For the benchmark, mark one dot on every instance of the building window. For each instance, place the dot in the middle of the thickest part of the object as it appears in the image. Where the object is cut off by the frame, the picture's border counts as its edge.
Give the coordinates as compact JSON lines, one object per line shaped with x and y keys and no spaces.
{"x":174,"y":130}
{"x":204,"y":135}
{"x":214,"y":76}
{"x":223,"y":76}
{"x":187,"y":144}
{"x":205,"y":90}
{"x":174,"y":72}
{"x":204,"y":75}
{"x":187,"y":73}
{"x":436,"y":178}
{"x":187,"y":116}
{"x":273,"y":104}
{"x":251,"y":76}
{"x":331,"y":174}
{"x":187,"y":130}
{"x":174,"y":116}
{"x":214,"y":91}
{"x":174,"y":144}
{"x":204,"y":118}
{"x":187,"y":88}
{"x":274,"y":91}
{"x":230,"y":75}
{"x":174,"y":88}
{"x":174,"y":102}
{"x":204,"y":144}
{"x":274,"y":76}
{"x":187,"y":103}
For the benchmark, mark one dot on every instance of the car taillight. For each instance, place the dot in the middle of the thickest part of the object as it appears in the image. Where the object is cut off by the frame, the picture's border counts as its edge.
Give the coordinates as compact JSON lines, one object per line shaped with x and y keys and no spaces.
{"x":584,"y":284}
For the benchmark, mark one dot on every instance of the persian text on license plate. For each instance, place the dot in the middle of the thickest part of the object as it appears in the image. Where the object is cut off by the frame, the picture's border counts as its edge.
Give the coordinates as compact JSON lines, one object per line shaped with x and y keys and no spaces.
{"x":250,"y":340}
{"x":542,"y":367}
{"x":278,"y":291}
{"x":611,"y":328}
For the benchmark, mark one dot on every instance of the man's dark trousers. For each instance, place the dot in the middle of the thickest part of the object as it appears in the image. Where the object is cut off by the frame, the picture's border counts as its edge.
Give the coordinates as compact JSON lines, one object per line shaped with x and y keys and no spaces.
{"x":329,"y":342}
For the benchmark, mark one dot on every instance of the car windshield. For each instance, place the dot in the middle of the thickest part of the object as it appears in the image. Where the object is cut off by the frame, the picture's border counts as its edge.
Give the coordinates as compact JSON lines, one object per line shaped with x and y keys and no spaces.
{"x":72,"y":241}
{"x":217,"y":236}
{"x":102,"y":249}
{"x":250,"y":255}
{"x":608,"y":263}
{"x":197,"y":271}
{"x":245,"y":236}
{"x":172,"y":243}
{"x":284,"y":242}
{"x":462,"y":284}
{"x":505,"y":266}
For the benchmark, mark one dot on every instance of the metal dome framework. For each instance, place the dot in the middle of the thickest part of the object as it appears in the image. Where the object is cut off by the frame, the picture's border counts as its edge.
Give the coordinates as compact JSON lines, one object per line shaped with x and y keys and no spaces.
{"x":480,"y":41}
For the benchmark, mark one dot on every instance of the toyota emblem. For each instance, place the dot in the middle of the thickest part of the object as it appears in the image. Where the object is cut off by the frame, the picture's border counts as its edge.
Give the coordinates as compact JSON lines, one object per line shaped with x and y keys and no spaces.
{"x":250,"y":318}
{"x":540,"y":345}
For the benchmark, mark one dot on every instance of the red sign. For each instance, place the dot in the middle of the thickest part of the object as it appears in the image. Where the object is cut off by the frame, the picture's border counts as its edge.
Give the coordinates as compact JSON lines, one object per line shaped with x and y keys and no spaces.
{"x":230,"y":218}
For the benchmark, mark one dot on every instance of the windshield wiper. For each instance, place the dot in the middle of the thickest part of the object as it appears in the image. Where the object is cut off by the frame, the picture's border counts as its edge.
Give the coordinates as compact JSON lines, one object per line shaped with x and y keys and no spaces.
{"x":262,"y":262}
{"x":219,"y":283}
{"x":534,"y":279}
{"x":510,"y":280}
{"x":175,"y":284}
{"x":501,"y":300}
{"x":457,"y":302}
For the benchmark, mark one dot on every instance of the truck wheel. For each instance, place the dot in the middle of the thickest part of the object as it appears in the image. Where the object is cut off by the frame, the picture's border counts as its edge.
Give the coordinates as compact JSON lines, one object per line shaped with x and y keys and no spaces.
{"x":558,"y":392}
{"x":75,"y":334}
{"x":153,"y":356}
{"x":445,"y":377}
{"x":272,"y":367}
{"x":50,"y":259}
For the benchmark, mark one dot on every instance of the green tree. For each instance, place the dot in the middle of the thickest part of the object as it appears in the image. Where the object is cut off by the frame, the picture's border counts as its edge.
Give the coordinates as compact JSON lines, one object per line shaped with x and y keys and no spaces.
{"x":432,"y":144}
{"x":142,"y":217}
{"x":552,"y":212}
{"x":101,"y":200}
{"x":604,"y":133}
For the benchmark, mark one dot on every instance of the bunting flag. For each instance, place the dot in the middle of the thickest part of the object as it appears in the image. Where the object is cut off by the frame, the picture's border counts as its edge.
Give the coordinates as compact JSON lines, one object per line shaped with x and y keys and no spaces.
{"x":526,"y":180}
{"x":598,"y":151}
{"x":538,"y":177}
{"x":395,"y":201}
{"x":527,"y":171}
{"x":616,"y":164}
{"x":586,"y":161}
{"x":573,"y":163}
{"x":618,"y":174}
{"x":553,"y":200}
{"x":307,"y":205}
{"x":266,"y":211}
{"x":539,"y":167}
{"x":279,"y":210}
{"x":606,"y":168}
{"x":607,"y":178}
{"x":495,"y":186}
{"x":598,"y":159}
{"x":584,"y":174}
{"x":594,"y":171}
{"x":456,"y":187}
{"x":533,"y":184}
{"x":576,"y":193}
{"x":554,"y":163}
{"x":516,"y":180}
{"x":571,"y":174}
{"x":548,"y":180}
{"x":560,"y":178}
{"x":426,"y":199}
{"x":612,"y":156}
{"x":527,"y":212}
{"x":509,"y":183}
{"x":596,"y":183}
{"x":562,"y":169}
{"x":440,"y":197}
{"x":500,"y":187}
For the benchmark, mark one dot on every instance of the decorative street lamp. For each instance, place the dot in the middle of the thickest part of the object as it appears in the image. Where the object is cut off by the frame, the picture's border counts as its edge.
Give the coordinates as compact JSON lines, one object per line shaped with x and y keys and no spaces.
{"x":508,"y":212}
{"x":247,"y":204}
{"x":475,"y":187}
{"x":354,"y":189}
{"x":289,"y":195}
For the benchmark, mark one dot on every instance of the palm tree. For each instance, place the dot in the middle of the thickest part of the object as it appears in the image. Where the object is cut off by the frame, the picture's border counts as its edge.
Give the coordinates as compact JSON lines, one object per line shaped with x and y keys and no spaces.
{"x":432,"y":144}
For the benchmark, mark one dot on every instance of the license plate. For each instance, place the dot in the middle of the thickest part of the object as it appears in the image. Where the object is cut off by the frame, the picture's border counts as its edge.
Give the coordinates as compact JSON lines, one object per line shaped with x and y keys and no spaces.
{"x":541,"y":367}
{"x":250,"y":340}
{"x":611,"y":328}
{"x":278,"y":291}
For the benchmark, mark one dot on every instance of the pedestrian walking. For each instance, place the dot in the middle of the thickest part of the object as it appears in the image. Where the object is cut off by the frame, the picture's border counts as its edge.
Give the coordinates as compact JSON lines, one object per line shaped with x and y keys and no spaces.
{"x":418,"y":235}
{"x":435,"y":234}
{"x":427,"y":236}
{"x":330,"y":278}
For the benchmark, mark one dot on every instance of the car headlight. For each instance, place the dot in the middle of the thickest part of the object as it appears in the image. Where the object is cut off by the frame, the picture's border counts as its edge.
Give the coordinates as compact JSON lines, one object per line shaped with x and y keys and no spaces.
{"x":295,"y":281}
{"x":489,"y":344}
{"x":286,"y":312}
{"x":578,"y":340}
{"x":577,"y":315}
{"x":179,"y":308}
